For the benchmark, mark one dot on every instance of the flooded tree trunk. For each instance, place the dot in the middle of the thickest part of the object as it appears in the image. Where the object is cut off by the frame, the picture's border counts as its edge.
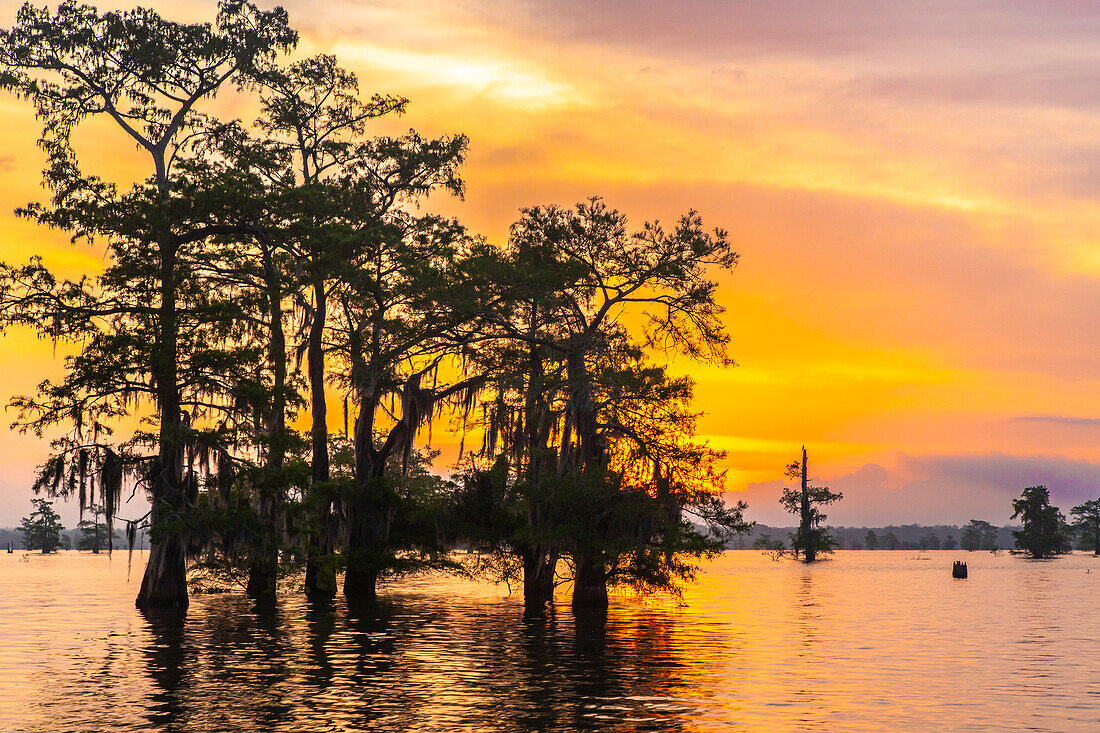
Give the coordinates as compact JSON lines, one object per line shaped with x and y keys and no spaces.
{"x":263,"y":570}
{"x":262,"y":580}
{"x":369,"y":519}
{"x":589,"y":585}
{"x":320,"y":574}
{"x":538,"y":580}
{"x":361,"y":585}
{"x":809,"y":548}
{"x":164,"y":584}
{"x":370,"y":512}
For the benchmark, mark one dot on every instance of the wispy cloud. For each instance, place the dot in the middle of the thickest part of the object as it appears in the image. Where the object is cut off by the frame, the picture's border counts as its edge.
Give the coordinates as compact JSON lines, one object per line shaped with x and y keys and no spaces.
{"x":1090,"y":422}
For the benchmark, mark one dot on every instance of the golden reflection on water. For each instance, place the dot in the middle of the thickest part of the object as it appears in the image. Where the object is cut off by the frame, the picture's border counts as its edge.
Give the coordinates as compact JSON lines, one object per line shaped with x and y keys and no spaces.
{"x":868,"y":641}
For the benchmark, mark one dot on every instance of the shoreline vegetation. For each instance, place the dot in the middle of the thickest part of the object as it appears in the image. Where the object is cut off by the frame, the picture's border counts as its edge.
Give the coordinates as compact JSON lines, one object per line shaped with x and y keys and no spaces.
{"x":11,"y":534}
{"x":890,"y":537}
{"x":909,"y":537}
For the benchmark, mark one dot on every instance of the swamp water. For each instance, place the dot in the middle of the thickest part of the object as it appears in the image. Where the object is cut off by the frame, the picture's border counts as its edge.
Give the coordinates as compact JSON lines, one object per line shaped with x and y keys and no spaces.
{"x":867,"y":641}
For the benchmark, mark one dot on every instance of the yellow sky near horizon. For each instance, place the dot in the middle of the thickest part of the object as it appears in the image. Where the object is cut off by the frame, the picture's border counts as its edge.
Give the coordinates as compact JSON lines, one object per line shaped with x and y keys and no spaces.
{"x":914,"y":200}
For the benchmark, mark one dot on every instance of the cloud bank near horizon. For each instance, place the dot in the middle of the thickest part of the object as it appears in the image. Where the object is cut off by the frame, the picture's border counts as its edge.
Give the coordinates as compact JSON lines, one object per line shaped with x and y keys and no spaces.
{"x":938,"y":489}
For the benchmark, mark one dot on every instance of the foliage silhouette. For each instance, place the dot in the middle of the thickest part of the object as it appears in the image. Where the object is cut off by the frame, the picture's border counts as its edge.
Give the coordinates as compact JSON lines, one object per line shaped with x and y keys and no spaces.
{"x":1086,"y":525}
{"x":1044,"y":533}
{"x":246,"y":249}
{"x":810,"y":539}
{"x":41,"y":529}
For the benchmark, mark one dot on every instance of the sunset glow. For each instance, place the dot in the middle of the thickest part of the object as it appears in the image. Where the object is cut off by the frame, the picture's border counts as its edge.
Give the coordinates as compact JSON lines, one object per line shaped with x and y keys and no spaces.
{"x":915,"y":194}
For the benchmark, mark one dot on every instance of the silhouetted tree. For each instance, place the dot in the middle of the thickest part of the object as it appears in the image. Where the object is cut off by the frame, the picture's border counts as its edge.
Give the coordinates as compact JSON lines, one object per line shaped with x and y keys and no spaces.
{"x":1044,"y":532}
{"x":775,"y":549}
{"x":871,"y":540}
{"x":810,"y":539}
{"x":41,"y":529}
{"x":588,"y":468}
{"x":929,"y":542}
{"x":94,"y":534}
{"x":146,"y":75}
{"x":978,"y":535}
{"x":315,"y":121}
{"x":1086,"y":525}
{"x":399,"y":319}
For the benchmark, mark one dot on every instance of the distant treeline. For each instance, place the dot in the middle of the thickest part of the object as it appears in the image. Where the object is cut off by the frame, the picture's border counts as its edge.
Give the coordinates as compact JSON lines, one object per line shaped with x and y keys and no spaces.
{"x":70,"y":539}
{"x":981,"y":535}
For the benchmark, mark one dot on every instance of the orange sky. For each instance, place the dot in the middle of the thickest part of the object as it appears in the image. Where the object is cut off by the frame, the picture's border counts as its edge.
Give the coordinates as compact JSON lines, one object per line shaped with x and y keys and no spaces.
{"x":913,"y":189}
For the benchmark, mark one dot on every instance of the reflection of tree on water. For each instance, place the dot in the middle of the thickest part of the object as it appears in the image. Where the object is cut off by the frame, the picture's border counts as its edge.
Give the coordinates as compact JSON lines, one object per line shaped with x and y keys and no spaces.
{"x":807,"y":612}
{"x":808,"y":676}
{"x":418,"y":663}
{"x":221,"y":668}
{"x":595,"y":672}
{"x":169,"y":661}
{"x":320,"y":626}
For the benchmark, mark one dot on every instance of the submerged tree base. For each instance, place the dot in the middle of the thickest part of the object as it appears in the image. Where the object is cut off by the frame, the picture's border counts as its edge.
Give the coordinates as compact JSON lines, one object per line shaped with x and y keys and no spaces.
{"x":320,"y":580}
{"x":589,"y":587}
{"x":361,"y":586}
{"x":538,"y":583}
{"x":262,"y":580}
{"x":164,"y":585}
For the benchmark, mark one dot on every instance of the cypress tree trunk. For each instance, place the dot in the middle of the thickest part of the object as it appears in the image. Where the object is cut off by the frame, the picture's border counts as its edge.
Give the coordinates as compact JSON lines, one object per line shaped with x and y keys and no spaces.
{"x":538,"y":579}
{"x":807,"y":530}
{"x":369,"y":517}
{"x":164,"y":584}
{"x":320,"y":576}
{"x":370,"y":512}
{"x":589,"y":585}
{"x":262,"y":577}
{"x":263,"y":570}
{"x":583,"y":409}
{"x":361,"y":585}
{"x":539,"y":563}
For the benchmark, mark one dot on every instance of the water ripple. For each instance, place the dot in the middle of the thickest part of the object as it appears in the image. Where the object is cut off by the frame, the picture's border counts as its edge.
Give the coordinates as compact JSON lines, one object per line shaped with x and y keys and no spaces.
{"x":864,"y":642}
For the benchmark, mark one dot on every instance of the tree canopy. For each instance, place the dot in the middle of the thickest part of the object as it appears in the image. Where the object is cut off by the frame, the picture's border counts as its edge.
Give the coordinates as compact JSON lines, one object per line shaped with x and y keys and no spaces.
{"x":810,"y":539}
{"x":256,"y":268}
{"x":1044,"y":533}
{"x":42,"y":528}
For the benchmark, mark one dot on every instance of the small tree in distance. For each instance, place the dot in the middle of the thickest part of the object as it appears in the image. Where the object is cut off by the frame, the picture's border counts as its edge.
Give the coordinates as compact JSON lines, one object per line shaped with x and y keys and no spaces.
{"x":775,"y":549}
{"x":42,"y":528}
{"x":1086,"y":524}
{"x":94,"y":534}
{"x":1044,"y":533}
{"x":810,"y":538}
{"x":979,"y":535}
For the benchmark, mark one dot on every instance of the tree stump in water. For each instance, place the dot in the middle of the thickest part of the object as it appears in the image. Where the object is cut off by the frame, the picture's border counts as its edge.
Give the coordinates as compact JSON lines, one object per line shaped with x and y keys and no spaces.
{"x":958,"y":570}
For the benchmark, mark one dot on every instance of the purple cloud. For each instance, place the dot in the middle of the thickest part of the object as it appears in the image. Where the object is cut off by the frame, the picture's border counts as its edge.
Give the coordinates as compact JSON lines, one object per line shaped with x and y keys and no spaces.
{"x":940,"y":489}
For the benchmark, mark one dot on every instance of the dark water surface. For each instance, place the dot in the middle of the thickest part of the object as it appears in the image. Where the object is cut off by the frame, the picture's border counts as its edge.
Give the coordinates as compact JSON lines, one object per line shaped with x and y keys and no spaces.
{"x":869,"y":641}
